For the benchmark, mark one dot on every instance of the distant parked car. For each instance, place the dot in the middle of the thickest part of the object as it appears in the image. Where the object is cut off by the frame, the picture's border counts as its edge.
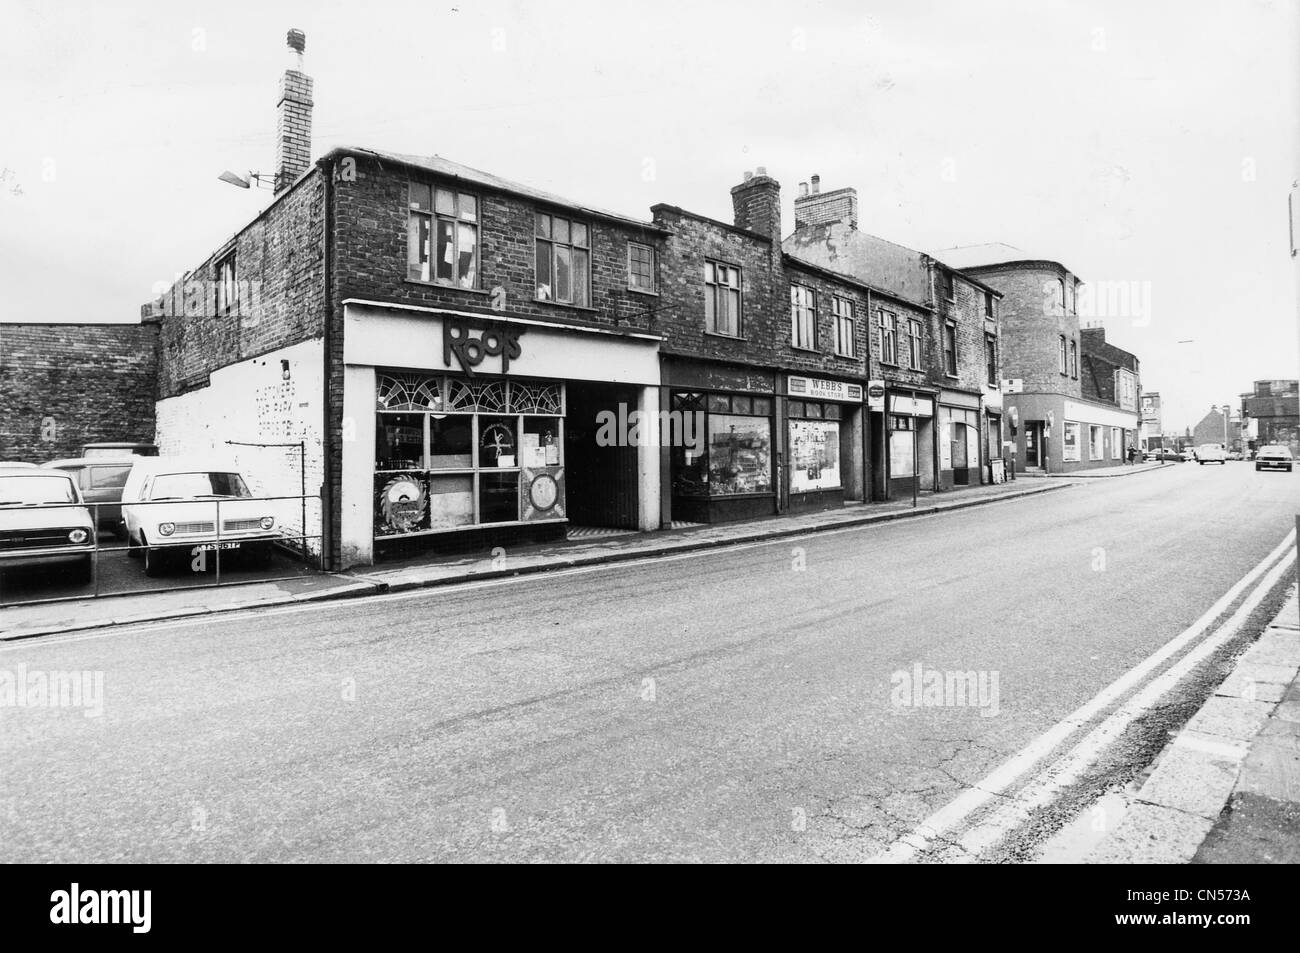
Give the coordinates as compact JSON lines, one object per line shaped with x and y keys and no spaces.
{"x":1188,"y":455}
{"x":1274,"y":457}
{"x":32,"y":534}
{"x":115,"y":450}
{"x":170,"y":506}
{"x":1211,"y":453}
{"x":1235,"y":455}
{"x":1169,"y":455}
{"x":101,"y":481}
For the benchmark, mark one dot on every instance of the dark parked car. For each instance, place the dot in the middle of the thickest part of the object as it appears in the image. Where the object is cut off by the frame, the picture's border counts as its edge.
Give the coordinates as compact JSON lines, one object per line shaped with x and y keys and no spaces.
{"x":1171,"y":455}
{"x":115,"y":450}
{"x":100,"y":481}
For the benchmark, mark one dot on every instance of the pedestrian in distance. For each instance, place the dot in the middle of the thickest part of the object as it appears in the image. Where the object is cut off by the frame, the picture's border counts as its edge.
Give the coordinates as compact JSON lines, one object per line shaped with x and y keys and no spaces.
{"x":1132,"y":452}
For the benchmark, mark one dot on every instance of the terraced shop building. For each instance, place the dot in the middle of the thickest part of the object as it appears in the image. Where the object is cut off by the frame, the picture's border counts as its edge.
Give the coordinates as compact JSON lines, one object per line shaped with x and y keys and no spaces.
{"x":1066,"y":410}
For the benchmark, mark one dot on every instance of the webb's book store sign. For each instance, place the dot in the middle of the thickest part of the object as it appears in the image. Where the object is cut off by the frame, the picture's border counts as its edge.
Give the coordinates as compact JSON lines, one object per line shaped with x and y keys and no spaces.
{"x":816,"y":389}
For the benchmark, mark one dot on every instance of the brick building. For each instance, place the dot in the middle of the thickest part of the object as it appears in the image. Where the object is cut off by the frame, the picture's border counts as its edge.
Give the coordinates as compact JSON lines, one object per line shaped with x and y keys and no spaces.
{"x":935,"y":343}
{"x":1271,"y":412}
{"x":65,"y":385}
{"x":1062,"y":417}
{"x":1218,"y":427}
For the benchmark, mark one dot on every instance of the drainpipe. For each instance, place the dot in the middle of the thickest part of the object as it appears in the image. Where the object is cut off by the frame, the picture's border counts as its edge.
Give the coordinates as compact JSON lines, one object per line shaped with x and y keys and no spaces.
{"x":326,"y":166}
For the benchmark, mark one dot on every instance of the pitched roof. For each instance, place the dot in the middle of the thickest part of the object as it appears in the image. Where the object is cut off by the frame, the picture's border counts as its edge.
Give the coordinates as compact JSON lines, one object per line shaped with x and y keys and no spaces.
{"x":901,"y":272}
{"x":992,"y":253}
{"x":454,"y":170}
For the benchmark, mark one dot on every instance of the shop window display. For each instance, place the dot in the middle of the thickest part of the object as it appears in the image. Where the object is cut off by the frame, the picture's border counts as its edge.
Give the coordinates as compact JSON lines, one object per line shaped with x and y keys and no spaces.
{"x":814,"y":446}
{"x":450,"y":452}
{"x":735,"y":457}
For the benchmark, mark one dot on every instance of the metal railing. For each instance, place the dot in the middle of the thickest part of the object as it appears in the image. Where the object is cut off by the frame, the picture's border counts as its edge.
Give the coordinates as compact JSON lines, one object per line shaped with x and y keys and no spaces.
{"x":23,"y":551}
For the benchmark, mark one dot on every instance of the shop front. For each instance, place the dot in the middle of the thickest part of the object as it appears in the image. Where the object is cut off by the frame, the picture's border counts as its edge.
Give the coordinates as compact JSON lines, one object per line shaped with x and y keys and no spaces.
{"x":960,"y":463}
{"x":824,"y":437}
{"x":463,"y":430}
{"x":720,"y":452}
{"x":909,"y":442}
{"x":1056,"y":434}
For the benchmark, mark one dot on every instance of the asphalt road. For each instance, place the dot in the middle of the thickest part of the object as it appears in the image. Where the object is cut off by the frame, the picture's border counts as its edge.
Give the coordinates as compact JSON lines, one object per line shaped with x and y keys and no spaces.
{"x":731,"y":705}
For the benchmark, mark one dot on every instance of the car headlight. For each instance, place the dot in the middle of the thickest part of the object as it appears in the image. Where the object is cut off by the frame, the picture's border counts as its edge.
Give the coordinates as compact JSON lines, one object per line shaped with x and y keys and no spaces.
{"x":78,"y":536}
{"x":268,"y":522}
{"x":166,"y":529}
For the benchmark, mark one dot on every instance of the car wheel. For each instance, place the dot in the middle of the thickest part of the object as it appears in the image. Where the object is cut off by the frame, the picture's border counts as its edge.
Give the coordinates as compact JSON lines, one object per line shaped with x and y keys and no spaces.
{"x":1258,"y":468}
{"x":153,"y":561}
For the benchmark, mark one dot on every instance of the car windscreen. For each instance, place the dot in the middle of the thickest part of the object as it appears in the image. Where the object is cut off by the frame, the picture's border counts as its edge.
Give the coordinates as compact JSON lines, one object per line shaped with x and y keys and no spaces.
{"x":167,"y":486}
{"x":25,"y":490}
{"x":108,"y":477}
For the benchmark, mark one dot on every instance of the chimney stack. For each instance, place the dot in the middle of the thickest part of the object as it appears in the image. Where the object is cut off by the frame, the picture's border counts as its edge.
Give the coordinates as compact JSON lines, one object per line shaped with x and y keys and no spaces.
{"x":826,"y":208}
{"x":293,"y":124}
{"x":757,"y":204}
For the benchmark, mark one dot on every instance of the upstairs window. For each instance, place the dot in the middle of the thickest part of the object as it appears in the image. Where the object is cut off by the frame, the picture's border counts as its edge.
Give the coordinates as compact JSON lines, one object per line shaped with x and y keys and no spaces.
{"x":949,"y":285}
{"x":991,"y":359}
{"x":888,"y":330}
{"x":641,"y":271}
{"x":845,"y":331}
{"x":227,"y":285}
{"x":950,"y":349}
{"x":988,"y":305}
{"x":722,"y":298}
{"x":442,"y":236}
{"x":803,"y":317}
{"x":563,"y":261}
{"x":1074,"y":360}
{"x":1065,"y":366}
{"x":914,"y":344}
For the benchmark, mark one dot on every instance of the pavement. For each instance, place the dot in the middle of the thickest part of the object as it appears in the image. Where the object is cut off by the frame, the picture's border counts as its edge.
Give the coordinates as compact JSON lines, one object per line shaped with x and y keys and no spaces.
{"x":189,"y":599}
{"x":1227,"y":787}
{"x":1097,"y":472}
{"x":744,"y":702}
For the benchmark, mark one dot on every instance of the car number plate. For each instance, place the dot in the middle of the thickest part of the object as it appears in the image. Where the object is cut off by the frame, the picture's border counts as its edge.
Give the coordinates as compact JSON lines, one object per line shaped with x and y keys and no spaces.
{"x":209,"y":547}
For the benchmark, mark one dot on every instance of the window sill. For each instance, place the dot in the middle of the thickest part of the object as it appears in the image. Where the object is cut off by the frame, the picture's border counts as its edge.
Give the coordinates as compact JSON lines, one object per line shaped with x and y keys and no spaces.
{"x":725,"y":337}
{"x":445,"y":286}
{"x":806,"y":350}
{"x":565,"y":304}
{"x":642,"y":291}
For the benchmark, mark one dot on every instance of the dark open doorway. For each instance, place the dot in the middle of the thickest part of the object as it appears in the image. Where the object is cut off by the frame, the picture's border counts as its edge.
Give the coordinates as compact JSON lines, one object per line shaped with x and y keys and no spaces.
{"x":602,"y":480}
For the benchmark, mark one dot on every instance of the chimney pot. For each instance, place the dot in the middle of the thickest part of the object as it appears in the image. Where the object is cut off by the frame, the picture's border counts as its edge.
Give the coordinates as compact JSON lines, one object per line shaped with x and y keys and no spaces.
{"x":748,"y":175}
{"x":297,"y":41}
{"x":816,"y":184}
{"x":803,"y":190}
{"x":762,"y":170}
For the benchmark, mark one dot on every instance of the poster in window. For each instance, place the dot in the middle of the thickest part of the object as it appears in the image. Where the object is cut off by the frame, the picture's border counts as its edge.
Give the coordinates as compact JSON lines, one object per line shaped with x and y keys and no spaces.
{"x":1071,"y":442}
{"x":814,"y":455}
{"x":740,"y":455}
{"x":900,"y":453}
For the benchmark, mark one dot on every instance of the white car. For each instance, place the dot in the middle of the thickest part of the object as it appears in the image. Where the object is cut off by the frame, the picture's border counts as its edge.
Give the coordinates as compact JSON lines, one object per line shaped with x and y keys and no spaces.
{"x":170,"y":506}
{"x":43,"y":522}
{"x":1274,"y":457}
{"x":1211,"y":453}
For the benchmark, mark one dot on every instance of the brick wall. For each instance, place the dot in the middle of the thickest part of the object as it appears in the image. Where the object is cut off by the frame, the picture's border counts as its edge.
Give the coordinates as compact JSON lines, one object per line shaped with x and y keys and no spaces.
{"x":371,"y":253}
{"x":766,"y":330}
{"x":1031,"y":325}
{"x":279,"y":267}
{"x":65,"y":385}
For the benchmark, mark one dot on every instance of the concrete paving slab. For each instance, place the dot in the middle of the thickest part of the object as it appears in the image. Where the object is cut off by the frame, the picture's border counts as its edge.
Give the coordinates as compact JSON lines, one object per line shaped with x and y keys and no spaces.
{"x":1192,"y":779}
{"x":1234,"y":718}
{"x":1150,"y":834}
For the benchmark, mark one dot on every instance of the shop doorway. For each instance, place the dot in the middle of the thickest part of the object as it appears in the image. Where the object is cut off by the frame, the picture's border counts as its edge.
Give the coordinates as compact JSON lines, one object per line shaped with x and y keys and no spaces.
{"x":1034,"y":444}
{"x":601,"y":479}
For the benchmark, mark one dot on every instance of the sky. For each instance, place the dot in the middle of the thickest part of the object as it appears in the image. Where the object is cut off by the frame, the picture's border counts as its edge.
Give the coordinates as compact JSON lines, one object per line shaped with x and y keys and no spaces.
{"x":1150,"y":143}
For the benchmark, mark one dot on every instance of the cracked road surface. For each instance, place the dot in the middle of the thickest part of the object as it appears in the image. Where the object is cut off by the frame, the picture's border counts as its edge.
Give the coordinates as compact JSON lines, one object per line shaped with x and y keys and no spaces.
{"x":723,"y":706}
